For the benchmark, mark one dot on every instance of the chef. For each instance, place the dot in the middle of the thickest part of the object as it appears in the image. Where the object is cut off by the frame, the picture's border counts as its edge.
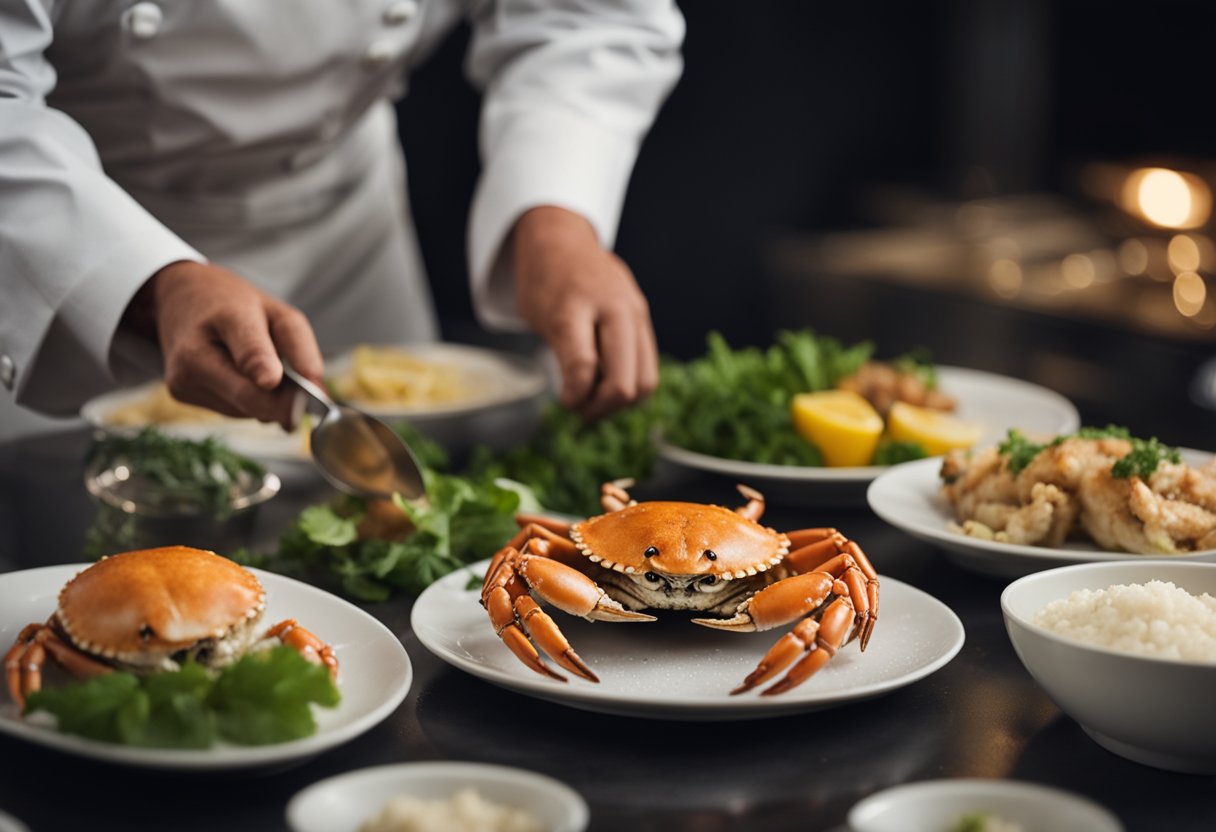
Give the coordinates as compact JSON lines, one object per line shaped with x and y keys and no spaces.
{"x":198,"y":188}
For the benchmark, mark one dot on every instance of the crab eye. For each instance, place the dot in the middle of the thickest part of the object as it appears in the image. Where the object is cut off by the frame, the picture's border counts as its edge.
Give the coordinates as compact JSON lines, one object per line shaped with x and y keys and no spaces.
{"x":711,"y":554}
{"x":146,"y":632}
{"x":652,"y":577}
{"x":650,"y":552}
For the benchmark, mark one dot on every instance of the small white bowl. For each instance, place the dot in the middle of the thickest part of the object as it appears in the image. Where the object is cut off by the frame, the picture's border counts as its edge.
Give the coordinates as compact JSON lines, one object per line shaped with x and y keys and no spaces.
{"x":1154,"y":711}
{"x":8,"y":823}
{"x":937,"y":805}
{"x":342,"y":803}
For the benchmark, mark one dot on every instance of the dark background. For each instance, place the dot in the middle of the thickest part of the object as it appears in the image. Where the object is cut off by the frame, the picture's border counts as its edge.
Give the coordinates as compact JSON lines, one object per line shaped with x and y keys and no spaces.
{"x":790,"y":114}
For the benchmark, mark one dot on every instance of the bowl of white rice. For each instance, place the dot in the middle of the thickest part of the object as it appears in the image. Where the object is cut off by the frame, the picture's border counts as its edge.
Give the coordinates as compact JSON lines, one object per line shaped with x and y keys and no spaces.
{"x":1128,"y":650}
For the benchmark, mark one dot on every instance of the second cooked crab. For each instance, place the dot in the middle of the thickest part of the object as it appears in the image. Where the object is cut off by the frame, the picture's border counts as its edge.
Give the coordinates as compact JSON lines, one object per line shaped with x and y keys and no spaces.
{"x":683,"y":556}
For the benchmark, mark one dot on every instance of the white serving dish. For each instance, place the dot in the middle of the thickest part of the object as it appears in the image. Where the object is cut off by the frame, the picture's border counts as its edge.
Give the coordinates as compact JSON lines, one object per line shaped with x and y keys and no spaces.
{"x":342,"y":803}
{"x":1154,"y":711}
{"x":937,"y":805}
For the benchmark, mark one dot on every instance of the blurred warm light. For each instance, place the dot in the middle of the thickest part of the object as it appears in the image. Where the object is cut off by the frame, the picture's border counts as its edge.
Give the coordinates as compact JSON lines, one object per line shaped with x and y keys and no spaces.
{"x":1207,"y":315}
{"x":1078,"y":271}
{"x":1189,"y":293}
{"x":1167,"y":198}
{"x":1133,"y":256}
{"x":1005,"y":278}
{"x":1183,"y":254}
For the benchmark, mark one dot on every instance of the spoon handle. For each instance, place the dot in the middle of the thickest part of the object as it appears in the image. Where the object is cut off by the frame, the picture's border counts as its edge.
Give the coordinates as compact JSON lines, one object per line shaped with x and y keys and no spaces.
{"x":316,"y":401}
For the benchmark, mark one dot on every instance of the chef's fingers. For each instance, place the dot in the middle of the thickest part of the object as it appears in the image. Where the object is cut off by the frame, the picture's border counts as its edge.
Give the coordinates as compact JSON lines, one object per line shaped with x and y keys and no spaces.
{"x":648,"y":354}
{"x":244,"y":331}
{"x":572,"y":339}
{"x":296,"y":342}
{"x":618,"y":356}
{"x":200,"y":371}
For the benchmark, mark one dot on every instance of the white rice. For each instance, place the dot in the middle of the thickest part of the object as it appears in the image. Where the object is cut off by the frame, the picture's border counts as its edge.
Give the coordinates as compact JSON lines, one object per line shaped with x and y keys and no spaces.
{"x":464,"y":811}
{"x":1153,"y":619}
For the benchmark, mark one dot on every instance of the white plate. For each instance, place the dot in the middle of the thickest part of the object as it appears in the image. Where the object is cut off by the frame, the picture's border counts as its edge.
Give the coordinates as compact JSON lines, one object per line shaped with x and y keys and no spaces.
{"x":342,"y":803}
{"x":909,"y":497}
{"x":493,"y":379}
{"x":674,"y":669}
{"x":937,"y":805}
{"x":994,"y":402}
{"x":374,"y":678}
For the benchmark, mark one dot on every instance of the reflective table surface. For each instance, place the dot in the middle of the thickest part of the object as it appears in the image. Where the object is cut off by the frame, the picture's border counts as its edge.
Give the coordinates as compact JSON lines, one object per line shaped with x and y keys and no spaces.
{"x":980,"y":716}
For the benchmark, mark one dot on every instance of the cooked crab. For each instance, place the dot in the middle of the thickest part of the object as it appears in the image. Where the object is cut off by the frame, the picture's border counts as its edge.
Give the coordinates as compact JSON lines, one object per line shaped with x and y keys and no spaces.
{"x":150,"y":610}
{"x":684,"y":556}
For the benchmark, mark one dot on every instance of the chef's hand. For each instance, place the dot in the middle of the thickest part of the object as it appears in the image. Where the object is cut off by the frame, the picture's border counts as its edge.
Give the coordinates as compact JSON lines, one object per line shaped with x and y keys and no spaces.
{"x":585,"y":303}
{"x":221,"y":339}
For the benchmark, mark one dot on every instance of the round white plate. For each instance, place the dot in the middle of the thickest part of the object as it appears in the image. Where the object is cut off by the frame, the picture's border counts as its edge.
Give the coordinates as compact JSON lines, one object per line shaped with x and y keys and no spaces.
{"x":674,"y":669}
{"x":342,"y":803}
{"x":937,"y":805}
{"x":909,"y":497}
{"x":493,"y":379}
{"x":994,"y":402}
{"x":374,"y":677}
{"x":257,"y":440}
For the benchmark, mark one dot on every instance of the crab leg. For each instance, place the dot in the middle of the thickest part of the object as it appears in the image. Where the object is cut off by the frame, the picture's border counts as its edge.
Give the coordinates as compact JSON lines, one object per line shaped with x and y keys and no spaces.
{"x":305,"y":643}
{"x":818,"y":640}
{"x":614,"y":497}
{"x":505,"y":596}
{"x":754,"y":509}
{"x":23,"y":671}
{"x":821,"y":550}
{"x":23,"y":661}
{"x":557,"y":546}
{"x":553,"y":525}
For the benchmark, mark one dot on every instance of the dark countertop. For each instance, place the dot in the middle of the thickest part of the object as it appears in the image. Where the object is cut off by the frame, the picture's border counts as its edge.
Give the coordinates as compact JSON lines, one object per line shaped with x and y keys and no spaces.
{"x":980,"y":716}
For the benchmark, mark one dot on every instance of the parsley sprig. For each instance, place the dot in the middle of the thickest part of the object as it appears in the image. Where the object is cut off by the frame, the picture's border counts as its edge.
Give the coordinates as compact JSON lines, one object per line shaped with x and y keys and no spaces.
{"x":1142,"y":461}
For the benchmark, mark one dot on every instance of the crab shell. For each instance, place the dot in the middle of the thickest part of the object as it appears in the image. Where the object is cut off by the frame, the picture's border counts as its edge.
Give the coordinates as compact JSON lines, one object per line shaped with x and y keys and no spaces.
{"x":690,"y":539}
{"x":140,"y":608}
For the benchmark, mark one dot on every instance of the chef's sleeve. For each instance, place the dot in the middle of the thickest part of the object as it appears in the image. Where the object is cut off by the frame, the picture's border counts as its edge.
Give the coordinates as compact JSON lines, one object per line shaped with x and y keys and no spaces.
{"x":74,"y":247}
{"x":570,"y":89}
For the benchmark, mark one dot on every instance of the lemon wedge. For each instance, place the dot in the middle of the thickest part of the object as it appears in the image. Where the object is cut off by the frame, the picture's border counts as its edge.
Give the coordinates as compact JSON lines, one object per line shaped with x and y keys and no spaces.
{"x":843,"y":425}
{"x":937,"y":432}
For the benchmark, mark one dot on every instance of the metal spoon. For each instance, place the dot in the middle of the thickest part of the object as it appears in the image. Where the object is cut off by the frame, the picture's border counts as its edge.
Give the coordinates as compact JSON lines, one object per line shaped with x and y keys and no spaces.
{"x":355,"y":451}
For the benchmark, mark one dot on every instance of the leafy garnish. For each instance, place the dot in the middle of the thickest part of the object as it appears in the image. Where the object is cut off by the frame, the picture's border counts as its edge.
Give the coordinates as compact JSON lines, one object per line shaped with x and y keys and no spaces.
{"x":1144,"y":459}
{"x":890,"y":452}
{"x":461,"y":520}
{"x":203,"y":474}
{"x":264,"y":697}
{"x":1141,"y":461}
{"x":736,"y":403}
{"x":567,"y":459}
{"x":1018,"y":450}
{"x":919,"y":363}
{"x":973,"y":822}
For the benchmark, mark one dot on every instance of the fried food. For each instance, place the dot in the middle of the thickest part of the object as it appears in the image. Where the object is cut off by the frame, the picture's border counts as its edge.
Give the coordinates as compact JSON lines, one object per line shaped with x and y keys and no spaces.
{"x":884,"y":385}
{"x":1071,"y":488}
{"x":394,"y":377}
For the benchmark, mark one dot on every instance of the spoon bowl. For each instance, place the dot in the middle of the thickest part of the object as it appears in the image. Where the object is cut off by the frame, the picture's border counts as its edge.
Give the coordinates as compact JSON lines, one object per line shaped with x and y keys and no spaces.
{"x":356,"y":452}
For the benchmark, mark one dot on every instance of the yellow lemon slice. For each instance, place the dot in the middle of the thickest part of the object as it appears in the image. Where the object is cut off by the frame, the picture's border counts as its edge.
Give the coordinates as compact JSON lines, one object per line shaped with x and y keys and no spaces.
{"x":843,"y":425}
{"x":937,"y":432}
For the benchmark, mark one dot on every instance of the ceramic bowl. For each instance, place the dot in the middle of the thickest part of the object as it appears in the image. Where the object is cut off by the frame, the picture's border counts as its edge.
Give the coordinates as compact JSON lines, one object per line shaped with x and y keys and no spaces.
{"x":939,"y":805}
{"x":1152,"y":710}
{"x":344,"y":802}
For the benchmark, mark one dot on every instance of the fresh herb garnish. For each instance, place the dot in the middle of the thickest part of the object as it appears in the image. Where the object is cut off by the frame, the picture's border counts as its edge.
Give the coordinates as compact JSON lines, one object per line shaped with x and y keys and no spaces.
{"x":890,"y":452}
{"x":736,"y":403}
{"x":264,"y":697}
{"x":919,"y":363}
{"x":1141,"y":461}
{"x":567,"y":460}
{"x":460,"y":521}
{"x":179,"y":474}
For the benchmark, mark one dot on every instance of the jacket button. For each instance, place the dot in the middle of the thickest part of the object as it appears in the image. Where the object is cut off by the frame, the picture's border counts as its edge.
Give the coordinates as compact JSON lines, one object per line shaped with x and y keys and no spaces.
{"x":400,"y":12}
{"x":379,"y":54}
{"x":143,"y":20}
{"x":8,"y":371}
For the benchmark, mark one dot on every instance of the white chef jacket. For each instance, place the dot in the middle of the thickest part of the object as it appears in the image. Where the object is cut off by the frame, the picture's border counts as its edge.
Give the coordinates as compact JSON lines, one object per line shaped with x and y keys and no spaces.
{"x":259,"y":135}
